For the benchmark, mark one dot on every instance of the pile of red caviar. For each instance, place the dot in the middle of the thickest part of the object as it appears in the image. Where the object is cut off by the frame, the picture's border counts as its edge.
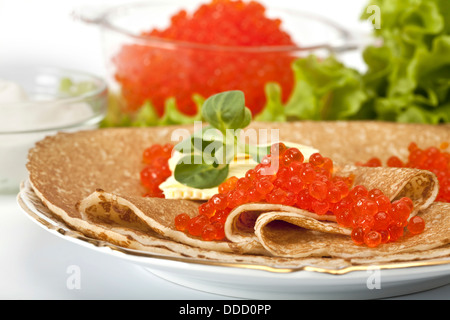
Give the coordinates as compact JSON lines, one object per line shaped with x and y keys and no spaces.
{"x":154,"y":72}
{"x":156,"y":170}
{"x":284,"y":178}
{"x":433,"y":159}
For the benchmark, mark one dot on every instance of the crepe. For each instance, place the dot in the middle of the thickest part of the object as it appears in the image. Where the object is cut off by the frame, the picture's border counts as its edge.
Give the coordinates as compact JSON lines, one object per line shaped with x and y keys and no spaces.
{"x":421,"y":186}
{"x":90,"y":180}
{"x":286,"y":233}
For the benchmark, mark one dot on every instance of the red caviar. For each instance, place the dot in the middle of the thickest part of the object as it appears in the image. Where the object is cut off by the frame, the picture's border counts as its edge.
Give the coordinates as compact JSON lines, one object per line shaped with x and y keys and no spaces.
{"x":416,"y":225}
{"x":156,"y":170}
{"x":433,"y":159}
{"x":155,"y":73}
{"x":310,"y":186}
{"x":182,"y":221}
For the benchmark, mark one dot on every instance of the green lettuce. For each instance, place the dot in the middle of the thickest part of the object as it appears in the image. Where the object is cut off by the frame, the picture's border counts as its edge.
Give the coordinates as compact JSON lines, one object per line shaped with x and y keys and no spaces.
{"x":147,"y":116}
{"x":408,"y":75}
{"x":406,"y":79}
{"x":325,"y":90}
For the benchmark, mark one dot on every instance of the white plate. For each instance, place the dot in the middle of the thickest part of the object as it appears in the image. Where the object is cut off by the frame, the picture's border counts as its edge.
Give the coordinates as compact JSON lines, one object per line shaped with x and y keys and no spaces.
{"x":258,"y":281}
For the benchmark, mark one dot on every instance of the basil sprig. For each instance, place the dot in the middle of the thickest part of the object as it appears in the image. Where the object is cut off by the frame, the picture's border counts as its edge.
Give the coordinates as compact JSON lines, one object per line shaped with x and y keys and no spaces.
{"x":208,"y":152}
{"x":227,"y":111}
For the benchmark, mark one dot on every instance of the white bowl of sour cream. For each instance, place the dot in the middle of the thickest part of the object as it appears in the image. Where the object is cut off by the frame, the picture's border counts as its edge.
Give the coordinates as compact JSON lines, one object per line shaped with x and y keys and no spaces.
{"x":37,"y":102}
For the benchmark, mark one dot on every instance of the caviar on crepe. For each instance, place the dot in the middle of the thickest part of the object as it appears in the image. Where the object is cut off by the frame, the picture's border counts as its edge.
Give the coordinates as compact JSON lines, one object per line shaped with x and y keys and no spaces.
{"x":311,"y":186}
{"x":433,"y":159}
{"x":156,"y":170}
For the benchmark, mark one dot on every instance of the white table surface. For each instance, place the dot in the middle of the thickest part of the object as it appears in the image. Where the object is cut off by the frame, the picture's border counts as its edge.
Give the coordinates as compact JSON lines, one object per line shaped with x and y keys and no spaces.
{"x":34,"y":264}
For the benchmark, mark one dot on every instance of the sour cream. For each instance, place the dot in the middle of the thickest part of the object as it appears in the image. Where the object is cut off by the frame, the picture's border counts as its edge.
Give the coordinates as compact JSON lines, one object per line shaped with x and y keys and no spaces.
{"x":23,"y":122}
{"x":11,"y":92}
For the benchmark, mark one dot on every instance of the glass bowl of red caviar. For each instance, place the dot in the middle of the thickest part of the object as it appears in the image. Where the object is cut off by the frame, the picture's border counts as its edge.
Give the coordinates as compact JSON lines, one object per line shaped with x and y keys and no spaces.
{"x":185,"y":51}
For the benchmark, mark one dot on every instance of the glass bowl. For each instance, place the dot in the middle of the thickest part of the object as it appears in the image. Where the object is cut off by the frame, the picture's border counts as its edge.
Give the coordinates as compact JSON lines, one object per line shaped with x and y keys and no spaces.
{"x":37,"y":102}
{"x":143,"y":68}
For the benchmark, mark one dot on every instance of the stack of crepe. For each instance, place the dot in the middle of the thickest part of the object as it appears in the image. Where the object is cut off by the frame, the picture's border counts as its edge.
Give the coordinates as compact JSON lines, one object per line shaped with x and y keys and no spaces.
{"x":89,"y":181}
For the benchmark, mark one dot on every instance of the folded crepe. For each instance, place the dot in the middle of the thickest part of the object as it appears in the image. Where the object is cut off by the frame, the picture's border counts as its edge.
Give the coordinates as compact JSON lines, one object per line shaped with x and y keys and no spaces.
{"x":90,"y":180}
{"x":287,"y":232}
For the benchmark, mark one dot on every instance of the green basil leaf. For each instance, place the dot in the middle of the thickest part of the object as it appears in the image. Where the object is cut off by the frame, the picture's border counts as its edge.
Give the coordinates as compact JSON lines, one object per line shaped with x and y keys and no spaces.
{"x":226,"y":110}
{"x":185,"y":146}
{"x":204,"y":137}
{"x":192,"y":171}
{"x":247,"y":118}
{"x":198,"y":140}
{"x":214,"y":153}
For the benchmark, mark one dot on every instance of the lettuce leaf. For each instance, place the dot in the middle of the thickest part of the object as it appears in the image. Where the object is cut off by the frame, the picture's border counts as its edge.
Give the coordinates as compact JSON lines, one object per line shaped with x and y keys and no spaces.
{"x":147,"y":116}
{"x":274,"y":108}
{"x":325,"y":90}
{"x":407,"y":77}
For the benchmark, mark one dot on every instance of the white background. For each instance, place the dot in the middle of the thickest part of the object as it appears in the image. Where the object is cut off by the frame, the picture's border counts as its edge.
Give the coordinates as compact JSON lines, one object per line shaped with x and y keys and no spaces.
{"x":33,"y":263}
